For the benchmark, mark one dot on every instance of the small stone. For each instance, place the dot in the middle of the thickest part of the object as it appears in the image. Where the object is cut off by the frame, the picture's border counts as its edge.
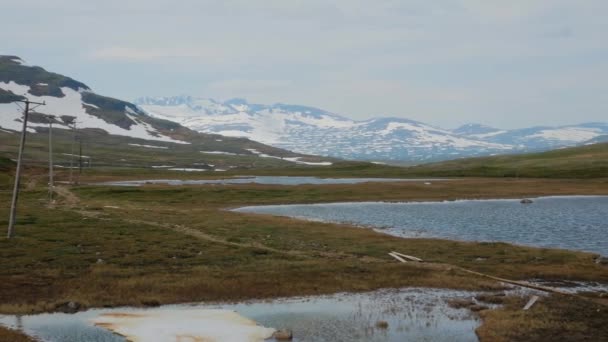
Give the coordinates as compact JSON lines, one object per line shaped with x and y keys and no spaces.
{"x":382,"y":325}
{"x":68,"y":307}
{"x":100,"y":261}
{"x":283,"y":335}
{"x":526,"y":201}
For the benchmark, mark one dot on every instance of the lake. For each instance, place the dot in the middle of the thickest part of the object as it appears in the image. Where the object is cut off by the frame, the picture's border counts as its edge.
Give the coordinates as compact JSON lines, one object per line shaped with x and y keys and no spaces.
{"x":269,"y":180}
{"x":570,"y":222}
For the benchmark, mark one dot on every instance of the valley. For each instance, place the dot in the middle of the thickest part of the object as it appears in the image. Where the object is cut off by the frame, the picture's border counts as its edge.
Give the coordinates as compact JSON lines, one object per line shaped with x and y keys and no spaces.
{"x":144,"y":214}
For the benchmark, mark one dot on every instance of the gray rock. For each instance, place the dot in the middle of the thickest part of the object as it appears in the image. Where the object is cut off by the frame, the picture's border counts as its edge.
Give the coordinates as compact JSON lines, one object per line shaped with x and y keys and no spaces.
{"x":283,"y":335}
{"x":68,"y":307}
{"x":601,"y":260}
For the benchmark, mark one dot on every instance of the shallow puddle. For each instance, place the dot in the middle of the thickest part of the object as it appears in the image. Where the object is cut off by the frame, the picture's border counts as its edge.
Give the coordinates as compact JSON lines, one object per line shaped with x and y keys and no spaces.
{"x":413,"y":314}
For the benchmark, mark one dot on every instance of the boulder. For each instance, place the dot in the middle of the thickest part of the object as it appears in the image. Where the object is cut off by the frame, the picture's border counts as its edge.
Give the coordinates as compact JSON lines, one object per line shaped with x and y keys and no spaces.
{"x":283,"y":335}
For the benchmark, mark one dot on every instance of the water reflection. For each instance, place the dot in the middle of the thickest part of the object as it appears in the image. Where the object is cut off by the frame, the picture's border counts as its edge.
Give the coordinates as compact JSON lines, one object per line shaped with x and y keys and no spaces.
{"x":414,"y":314}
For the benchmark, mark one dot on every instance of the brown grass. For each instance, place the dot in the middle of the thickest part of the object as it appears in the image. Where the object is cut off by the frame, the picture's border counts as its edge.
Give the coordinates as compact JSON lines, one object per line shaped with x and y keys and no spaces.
{"x":178,"y":244}
{"x":553,"y":318}
{"x":10,"y":335}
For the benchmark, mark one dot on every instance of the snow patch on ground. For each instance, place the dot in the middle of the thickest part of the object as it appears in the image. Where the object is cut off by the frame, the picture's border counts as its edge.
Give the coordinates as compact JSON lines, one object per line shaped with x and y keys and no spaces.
{"x":150,"y":146}
{"x":185,"y":169}
{"x":289,"y":159}
{"x":219,"y":152}
{"x":163,"y":325}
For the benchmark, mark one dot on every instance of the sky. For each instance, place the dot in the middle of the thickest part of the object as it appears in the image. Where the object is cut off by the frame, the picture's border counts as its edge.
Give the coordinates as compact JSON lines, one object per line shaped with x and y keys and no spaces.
{"x":507,"y":64}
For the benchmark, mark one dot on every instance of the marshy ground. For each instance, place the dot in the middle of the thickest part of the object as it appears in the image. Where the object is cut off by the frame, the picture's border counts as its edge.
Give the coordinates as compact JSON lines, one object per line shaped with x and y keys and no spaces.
{"x":151,"y":245}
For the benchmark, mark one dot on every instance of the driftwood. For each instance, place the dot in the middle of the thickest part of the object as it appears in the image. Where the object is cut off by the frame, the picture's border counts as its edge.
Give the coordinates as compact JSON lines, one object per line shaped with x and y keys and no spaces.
{"x":397,"y":257}
{"x":531,"y":302}
{"x":402,"y":257}
{"x":409,"y":257}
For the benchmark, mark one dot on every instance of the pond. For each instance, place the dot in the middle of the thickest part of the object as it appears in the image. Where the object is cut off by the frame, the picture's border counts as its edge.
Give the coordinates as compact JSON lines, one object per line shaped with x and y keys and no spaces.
{"x":570,"y":222}
{"x":413,"y":314}
{"x":269,"y":180}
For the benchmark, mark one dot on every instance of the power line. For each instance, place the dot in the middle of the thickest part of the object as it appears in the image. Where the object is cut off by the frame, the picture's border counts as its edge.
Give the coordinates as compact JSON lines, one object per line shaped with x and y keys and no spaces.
{"x":12,"y":218}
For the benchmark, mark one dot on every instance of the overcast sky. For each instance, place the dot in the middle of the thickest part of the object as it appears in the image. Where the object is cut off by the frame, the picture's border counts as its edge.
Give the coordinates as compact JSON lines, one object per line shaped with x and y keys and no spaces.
{"x":508,"y":63}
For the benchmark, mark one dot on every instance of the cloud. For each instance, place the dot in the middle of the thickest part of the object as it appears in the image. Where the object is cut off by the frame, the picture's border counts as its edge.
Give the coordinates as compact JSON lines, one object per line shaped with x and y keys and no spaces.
{"x":439,"y":61}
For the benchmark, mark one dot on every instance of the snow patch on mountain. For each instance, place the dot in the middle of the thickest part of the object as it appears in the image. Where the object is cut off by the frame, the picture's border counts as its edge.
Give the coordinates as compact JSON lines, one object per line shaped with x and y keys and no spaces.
{"x":71,"y":104}
{"x":573,"y":134}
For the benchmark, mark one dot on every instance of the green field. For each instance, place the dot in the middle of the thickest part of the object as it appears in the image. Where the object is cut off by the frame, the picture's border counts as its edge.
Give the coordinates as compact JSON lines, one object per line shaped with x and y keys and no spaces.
{"x":577,"y":162}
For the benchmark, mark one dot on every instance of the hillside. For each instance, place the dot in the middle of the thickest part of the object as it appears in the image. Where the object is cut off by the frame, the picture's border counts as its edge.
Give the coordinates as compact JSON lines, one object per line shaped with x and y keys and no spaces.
{"x":312,"y":130}
{"x":589,"y":161}
{"x":115,"y":132}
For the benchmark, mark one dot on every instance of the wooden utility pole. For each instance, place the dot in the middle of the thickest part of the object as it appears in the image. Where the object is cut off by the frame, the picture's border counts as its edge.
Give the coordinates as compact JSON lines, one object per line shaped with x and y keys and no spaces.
{"x":72,"y":152}
{"x":12,"y":218}
{"x":79,"y":160}
{"x":51,"y":182}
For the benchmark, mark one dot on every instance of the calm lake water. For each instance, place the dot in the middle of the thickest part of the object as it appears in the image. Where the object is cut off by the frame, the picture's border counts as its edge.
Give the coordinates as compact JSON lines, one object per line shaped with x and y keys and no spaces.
{"x":414,"y":314}
{"x":570,"y":222}
{"x":270,"y":180}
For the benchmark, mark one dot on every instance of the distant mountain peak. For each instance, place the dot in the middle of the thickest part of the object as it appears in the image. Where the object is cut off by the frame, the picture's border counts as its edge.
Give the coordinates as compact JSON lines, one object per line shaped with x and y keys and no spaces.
{"x":313,"y":130}
{"x":474,"y":128}
{"x":236,"y":101}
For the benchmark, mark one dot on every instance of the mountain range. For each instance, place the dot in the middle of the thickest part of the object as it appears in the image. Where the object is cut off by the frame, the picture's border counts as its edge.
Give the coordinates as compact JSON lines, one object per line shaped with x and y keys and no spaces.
{"x":315,"y":131}
{"x":104,"y":121}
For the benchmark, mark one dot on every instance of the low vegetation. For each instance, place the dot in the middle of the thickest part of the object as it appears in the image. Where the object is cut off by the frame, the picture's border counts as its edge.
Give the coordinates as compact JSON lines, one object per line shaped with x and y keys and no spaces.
{"x":10,"y":335}
{"x":553,"y":318}
{"x":113,"y":246}
{"x":577,"y":162}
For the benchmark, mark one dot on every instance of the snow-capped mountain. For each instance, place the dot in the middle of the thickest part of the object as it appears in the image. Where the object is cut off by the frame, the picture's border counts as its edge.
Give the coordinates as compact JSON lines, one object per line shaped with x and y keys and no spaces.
{"x":69,"y":101}
{"x":316,"y":131}
{"x":121,"y":125}
{"x":542,"y":138}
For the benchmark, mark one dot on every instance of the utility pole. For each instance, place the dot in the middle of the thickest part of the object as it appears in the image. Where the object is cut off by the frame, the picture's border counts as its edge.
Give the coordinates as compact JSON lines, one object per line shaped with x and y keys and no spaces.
{"x":72,"y":152}
{"x":12,"y":218}
{"x":79,"y":160}
{"x":51,"y":182}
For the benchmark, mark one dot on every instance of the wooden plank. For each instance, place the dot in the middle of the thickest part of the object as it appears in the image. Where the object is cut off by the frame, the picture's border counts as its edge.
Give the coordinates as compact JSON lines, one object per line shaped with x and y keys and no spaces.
{"x":409,"y":257}
{"x":397,"y":257}
{"x":531,"y":302}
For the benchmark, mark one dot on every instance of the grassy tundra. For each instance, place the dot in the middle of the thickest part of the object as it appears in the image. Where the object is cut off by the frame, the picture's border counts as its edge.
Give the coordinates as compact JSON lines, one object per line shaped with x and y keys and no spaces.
{"x":113,"y":246}
{"x":103,"y":246}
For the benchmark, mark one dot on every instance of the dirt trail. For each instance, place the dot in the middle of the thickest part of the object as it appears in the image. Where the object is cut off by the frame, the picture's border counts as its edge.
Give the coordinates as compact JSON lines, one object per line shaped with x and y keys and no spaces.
{"x":67,"y":195}
{"x":203,"y":236}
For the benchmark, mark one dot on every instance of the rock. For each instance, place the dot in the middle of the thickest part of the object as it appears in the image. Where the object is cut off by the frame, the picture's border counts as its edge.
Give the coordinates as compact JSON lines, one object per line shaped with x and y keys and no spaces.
{"x":526,"y":201}
{"x":151,"y":303}
{"x":100,"y":261}
{"x":68,"y":307}
{"x":283,"y":335}
{"x":382,"y":325}
{"x":601,"y":260}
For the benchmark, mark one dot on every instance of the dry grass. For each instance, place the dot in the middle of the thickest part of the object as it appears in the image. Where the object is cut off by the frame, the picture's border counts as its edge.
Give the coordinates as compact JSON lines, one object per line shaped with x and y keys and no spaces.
{"x":554,"y":318}
{"x":9,"y":335}
{"x":154,"y":245}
